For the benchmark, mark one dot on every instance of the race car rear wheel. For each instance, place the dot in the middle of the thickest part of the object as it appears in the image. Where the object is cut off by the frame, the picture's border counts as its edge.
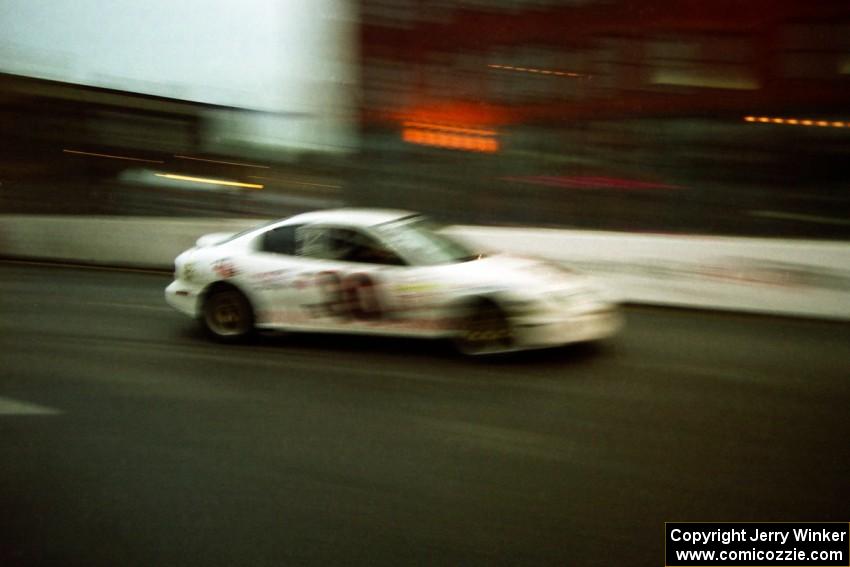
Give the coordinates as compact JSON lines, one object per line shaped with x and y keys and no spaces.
{"x":484,"y":330}
{"x":227,"y":314}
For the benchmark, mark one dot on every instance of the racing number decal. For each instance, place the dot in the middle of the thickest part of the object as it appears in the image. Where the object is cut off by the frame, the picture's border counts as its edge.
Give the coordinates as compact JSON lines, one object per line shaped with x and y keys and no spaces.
{"x":225,"y":268}
{"x":352,"y":296}
{"x":362,"y":297}
{"x":333,"y":301}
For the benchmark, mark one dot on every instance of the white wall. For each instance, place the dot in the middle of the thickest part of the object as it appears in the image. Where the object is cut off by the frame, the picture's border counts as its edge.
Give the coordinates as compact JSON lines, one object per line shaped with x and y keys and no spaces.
{"x":741,"y":274}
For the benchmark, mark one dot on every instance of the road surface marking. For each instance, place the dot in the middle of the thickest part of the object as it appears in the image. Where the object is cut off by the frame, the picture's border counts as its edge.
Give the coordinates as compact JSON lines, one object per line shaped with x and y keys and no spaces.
{"x":9,"y":406}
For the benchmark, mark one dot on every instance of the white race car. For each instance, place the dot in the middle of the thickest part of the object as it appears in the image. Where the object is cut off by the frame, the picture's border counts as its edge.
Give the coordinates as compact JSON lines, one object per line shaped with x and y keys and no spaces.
{"x":383,"y":272}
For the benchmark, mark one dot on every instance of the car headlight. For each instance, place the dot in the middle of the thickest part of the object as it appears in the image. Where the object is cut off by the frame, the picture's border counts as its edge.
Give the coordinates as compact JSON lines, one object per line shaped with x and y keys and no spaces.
{"x":523,"y":307}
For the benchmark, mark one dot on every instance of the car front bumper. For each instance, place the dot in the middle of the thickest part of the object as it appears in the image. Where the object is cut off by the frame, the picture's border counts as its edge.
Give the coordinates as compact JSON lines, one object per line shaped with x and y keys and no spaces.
{"x":584,"y":326}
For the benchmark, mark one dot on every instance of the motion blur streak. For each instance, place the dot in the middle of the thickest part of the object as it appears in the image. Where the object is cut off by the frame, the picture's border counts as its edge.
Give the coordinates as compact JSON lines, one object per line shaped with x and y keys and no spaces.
{"x":795,"y":121}
{"x":224,"y":162}
{"x":108,"y":156}
{"x":448,"y":128}
{"x":436,"y":137}
{"x":295,"y":182}
{"x":533,"y":70}
{"x":209,"y":181}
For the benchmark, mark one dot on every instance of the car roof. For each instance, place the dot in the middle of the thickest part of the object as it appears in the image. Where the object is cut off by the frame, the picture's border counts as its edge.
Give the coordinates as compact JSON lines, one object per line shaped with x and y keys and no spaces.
{"x":359,"y":217}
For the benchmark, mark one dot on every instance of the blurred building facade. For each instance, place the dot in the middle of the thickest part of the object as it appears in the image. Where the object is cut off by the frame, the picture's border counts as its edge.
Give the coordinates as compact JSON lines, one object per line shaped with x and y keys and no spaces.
{"x":721,"y":117}
{"x":616,"y":114}
{"x":77,"y":149}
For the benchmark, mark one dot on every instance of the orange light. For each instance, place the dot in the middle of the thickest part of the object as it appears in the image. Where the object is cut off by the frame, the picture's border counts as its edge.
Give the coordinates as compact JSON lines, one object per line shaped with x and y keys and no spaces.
{"x":442,"y":127}
{"x":449,"y":140}
{"x":797,"y":121}
{"x":490,"y":145}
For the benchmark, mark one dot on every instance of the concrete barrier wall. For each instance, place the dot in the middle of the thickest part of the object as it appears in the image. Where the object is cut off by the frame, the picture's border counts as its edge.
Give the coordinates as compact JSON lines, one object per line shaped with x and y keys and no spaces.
{"x":142,"y":242}
{"x":786,"y":277}
{"x":741,"y":274}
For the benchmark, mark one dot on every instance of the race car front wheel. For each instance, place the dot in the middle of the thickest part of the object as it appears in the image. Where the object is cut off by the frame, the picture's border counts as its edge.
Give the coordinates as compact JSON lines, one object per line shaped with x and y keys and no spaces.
{"x":484,"y":330}
{"x":227,"y":314}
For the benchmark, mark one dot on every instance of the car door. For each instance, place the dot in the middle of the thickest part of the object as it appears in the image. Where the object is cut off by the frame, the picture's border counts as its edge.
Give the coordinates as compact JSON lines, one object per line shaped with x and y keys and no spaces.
{"x":346,"y":280}
{"x":276,"y":270}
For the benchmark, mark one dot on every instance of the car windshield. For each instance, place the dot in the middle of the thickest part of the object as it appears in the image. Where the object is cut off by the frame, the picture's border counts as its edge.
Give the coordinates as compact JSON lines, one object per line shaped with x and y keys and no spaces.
{"x":419,"y":240}
{"x":249,"y":230}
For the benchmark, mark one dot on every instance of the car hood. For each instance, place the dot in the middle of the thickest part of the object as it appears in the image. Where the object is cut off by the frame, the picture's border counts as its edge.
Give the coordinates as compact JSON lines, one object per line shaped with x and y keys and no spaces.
{"x":517,"y":273}
{"x":213,"y":239}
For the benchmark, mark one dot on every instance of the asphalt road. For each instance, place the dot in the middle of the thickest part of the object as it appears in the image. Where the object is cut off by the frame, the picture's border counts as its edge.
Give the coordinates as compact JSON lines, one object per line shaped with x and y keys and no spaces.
{"x":128,"y":439}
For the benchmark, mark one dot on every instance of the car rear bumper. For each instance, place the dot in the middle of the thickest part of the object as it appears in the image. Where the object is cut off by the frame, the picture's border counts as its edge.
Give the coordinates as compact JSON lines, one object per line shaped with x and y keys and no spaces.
{"x":182,"y":298}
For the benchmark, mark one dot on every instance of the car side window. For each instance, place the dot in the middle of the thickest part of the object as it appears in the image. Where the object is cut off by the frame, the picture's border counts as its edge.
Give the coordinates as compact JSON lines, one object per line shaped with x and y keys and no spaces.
{"x":368,"y":250}
{"x":280,"y":240}
{"x":345,"y":245}
{"x":312,"y":242}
